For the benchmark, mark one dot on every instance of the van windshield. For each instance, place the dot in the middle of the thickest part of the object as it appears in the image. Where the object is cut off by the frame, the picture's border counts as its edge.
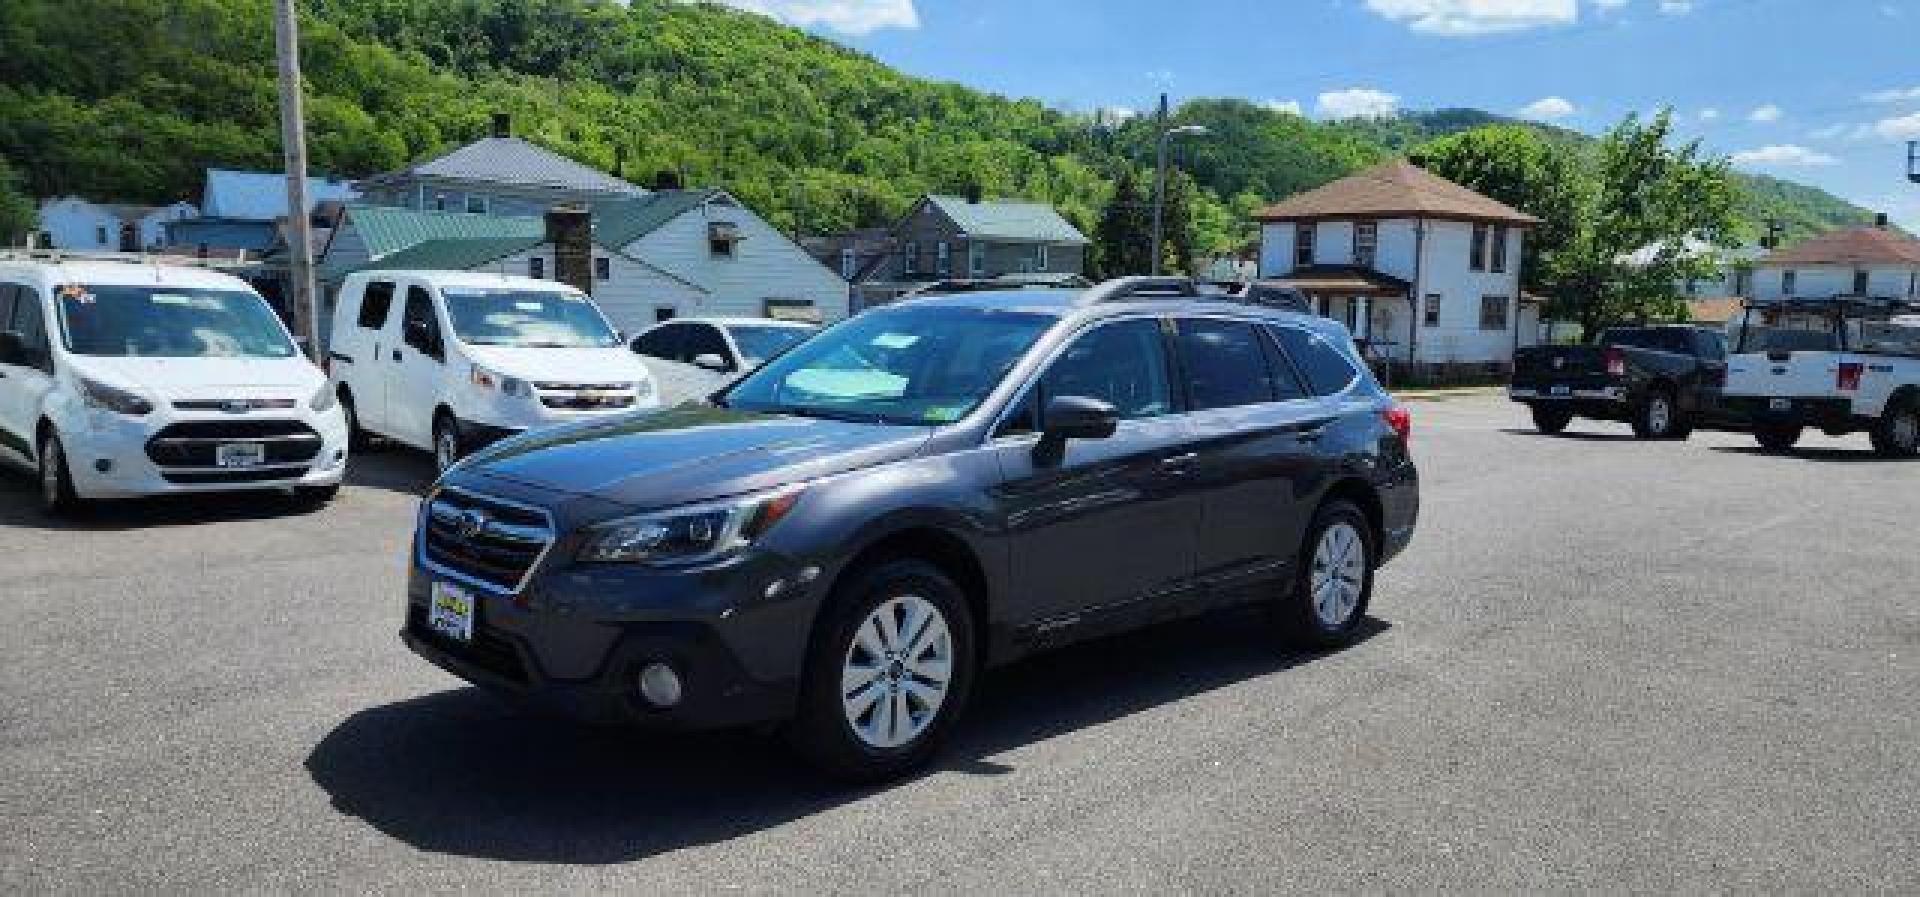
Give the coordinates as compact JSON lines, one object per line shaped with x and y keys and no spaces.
{"x":169,"y":322}
{"x":534,"y":319}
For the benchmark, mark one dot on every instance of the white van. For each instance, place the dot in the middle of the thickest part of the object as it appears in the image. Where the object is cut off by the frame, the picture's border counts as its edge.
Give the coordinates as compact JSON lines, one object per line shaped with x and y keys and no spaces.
{"x":122,"y":378}
{"x":448,"y":361}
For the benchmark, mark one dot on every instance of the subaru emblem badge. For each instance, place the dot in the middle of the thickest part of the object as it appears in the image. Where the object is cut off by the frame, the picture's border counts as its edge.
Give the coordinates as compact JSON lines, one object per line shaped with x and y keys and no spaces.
{"x":470,"y":523}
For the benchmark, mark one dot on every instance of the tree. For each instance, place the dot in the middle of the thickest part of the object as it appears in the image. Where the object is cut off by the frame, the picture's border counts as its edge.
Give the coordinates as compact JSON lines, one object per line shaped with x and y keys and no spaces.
{"x":1124,"y":237}
{"x":1642,"y":192}
{"x":1519,"y":167}
{"x":1177,"y":230}
{"x":17,"y":213}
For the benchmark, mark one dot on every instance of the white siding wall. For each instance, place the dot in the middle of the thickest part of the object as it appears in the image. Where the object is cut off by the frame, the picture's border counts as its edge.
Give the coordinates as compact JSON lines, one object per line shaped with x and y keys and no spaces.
{"x":1394,"y":257}
{"x":628,"y":297}
{"x":766,"y":265}
{"x":1276,"y":249}
{"x":1446,"y":270}
{"x":1826,"y":281}
{"x":74,"y":224}
{"x":1333,"y":243}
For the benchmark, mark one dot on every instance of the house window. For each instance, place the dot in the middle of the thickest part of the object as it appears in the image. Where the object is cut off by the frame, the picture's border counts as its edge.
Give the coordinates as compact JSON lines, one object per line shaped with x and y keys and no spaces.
{"x":913,"y":258}
{"x":1303,"y":245}
{"x":1042,"y":257}
{"x":1742,"y":282}
{"x":944,"y":260}
{"x":1477,"y":254}
{"x":1433,"y":310}
{"x":537,"y":268}
{"x":1859,"y":283}
{"x":100,"y":235}
{"x":603,"y":268}
{"x":440,"y":202}
{"x":1493,"y":312}
{"x":1786,"y":282}
{"x":1913,"y":284}
{"x":977,"y":259}
{"x":722,"y":236}
{"x":847,"y":260}
{"x":664,"y":313}
{"x":1366,"y":242}
{"x":1500,"y":249}
{"x":476,"y":205}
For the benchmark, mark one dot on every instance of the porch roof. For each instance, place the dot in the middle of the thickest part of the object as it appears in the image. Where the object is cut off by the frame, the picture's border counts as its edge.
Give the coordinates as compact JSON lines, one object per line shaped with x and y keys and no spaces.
{"x":1342,"y":280}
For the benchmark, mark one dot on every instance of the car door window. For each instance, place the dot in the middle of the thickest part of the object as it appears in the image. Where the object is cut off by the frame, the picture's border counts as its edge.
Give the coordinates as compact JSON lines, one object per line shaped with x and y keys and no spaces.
{"x":662,"y":342}
{"x":1224,"y":364}
{"x":1123,"y":364}
{"x":7,"y":292}
{"x":29,"y":320}
{"x":705,"y":339}
{"x":375,"y":303}
{"x":1327,"y":369}
{"x":419,"y":327}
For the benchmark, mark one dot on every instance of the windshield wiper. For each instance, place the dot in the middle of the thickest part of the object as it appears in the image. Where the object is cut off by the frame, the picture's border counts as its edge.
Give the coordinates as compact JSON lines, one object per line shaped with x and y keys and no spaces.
{"x":815,"y":411}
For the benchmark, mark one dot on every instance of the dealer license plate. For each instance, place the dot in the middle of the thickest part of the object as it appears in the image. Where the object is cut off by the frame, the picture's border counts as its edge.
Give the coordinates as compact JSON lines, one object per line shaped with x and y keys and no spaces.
{"x":1560,"y":390}
{"x":451,"y":613}
{"x":239,"y":454}
{"x":1780,"y":404}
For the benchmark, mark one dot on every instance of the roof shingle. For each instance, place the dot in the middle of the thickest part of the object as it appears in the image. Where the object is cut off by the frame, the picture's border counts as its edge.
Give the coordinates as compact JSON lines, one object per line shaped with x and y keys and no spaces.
{"x":619,"y":222}
{"x":1008,"y":220}
{"x":388,"y":230}
{"x":1394,"y":189}
{"x":453,"y":254}
{"x":513,"y":161}
{"x":1852,"y":246}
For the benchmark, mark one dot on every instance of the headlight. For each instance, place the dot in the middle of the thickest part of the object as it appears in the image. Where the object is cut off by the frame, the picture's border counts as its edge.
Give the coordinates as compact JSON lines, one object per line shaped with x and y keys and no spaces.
{"x":114,"y":399}
{"x":486,"y":379}
{"x":689,"y":535}
{"x":643,"y":387}
{"x":324,"y":398}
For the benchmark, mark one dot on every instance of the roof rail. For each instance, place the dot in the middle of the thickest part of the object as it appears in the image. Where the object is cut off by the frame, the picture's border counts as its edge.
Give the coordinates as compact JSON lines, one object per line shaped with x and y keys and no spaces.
{"x":56,"y":256}
{"x":1121,"y":289}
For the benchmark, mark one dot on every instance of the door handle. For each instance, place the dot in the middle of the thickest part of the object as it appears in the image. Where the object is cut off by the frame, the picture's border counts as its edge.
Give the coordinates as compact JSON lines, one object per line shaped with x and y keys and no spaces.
{"x":1312,"y":434}
{"x":1179,"y":463}
{"x":396,"y":356}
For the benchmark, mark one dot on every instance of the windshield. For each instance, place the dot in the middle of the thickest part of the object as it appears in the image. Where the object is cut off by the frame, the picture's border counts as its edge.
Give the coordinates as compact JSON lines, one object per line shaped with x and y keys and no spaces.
{"x":901,"y":366}
{"x":757,"y":344}
{"x":539,"y":319}
{"x":170,"y":322}
{"x":1773,"y":330}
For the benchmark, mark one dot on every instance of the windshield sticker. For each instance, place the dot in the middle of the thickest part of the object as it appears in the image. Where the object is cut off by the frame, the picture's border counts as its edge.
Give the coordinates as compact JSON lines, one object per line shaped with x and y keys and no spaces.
{"x":451,"y":292}
{"x":895,"y":340}
{"x":943,"y":414}
{"x":529,"y":306}
{"x":76,"y":293}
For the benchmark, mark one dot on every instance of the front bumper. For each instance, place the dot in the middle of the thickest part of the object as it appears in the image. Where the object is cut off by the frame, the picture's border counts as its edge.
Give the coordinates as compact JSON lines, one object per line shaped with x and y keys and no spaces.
{"x":109,"y":455}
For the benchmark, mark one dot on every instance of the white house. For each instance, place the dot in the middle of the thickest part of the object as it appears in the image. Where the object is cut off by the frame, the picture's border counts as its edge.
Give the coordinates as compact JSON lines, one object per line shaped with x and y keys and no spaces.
{"x":69,"y":222}
{"x":1860,"y":261}
{"x":1365,"y":246}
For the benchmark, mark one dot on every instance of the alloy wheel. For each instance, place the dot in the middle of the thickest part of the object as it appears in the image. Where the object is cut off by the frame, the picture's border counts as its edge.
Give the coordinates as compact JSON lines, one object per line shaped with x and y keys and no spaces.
{"x":446,"y":449}
{"x":1339,"y":574}
{"x":897,"y":672}
{"x":51,"y":462}
{"x":1659,"y":415}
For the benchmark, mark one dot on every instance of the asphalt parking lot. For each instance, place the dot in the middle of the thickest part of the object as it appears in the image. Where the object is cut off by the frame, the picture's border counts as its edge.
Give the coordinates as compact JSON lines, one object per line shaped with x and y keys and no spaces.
{"x":1603,"y":664}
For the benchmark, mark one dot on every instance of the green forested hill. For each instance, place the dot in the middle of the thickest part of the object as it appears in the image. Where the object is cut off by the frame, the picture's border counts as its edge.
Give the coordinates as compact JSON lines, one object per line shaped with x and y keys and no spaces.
{"x":131,"y":99}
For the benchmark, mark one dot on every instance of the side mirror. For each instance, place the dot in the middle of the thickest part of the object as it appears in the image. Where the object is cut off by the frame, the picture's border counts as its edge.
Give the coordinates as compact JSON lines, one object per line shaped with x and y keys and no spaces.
{"x":712,"y":362}
{"x":1078,"y":417}
{"x":13,"y":348}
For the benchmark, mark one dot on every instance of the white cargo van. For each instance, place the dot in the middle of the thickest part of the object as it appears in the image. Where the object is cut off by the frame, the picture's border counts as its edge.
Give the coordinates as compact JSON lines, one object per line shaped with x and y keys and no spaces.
{"x":449,"y":361}
{"x":125,"y":377}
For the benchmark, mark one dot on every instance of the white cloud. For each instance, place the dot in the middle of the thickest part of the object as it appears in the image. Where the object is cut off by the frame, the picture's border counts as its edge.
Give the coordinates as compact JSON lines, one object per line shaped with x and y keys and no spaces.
{"x":1709,"y":114}
{"x":1456,"y":18}
{"x":1765,"y":114}
{"x":1897,"y":95}
{"x":846,"y":16}
{"x":1291,"y":107}
{"x":1609,"y":5}
{"x":1547,"y":109}
{"x":1356,"y":102}
{"x":1783,"y":155}
{"x":1840,"y":132}
{"x":1675,"y":7}
{"x":1906,"y":127}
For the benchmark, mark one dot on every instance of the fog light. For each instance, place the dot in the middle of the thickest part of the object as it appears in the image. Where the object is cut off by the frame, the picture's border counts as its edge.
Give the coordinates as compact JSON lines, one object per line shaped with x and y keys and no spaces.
{"x":660,"y":685}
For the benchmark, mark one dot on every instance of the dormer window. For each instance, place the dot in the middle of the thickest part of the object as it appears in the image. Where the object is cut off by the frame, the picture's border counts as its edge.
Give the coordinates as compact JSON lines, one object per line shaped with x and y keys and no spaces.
{"x":723,"y":238}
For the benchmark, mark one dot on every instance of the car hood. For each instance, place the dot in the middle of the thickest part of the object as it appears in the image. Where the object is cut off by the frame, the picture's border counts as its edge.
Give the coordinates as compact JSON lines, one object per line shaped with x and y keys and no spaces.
{"x":688,"y":453}
{"x":610,"y":365}
{"x":203,"y":378}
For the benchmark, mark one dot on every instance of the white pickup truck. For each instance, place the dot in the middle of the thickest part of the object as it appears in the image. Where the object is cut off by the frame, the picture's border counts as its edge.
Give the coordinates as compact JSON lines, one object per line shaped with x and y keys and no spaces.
{"x":1841,"y":365}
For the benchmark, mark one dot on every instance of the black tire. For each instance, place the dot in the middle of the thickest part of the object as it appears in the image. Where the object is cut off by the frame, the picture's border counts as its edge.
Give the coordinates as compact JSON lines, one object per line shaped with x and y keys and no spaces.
{"x":55,"y":478}
{"x":315,"y":496}
{"x":1551,"y":421}
{"x":821,"y":730}
{"x":1657,"y":416}
{"x":358,"y":439}
{"x":1777,"y":437}
{"x":448,"y":444}
{"x":1897,"y":433}
{"x":1301,"y":622}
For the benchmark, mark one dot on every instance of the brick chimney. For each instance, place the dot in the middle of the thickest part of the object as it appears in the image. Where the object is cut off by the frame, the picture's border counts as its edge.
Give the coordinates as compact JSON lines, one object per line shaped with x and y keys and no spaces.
{"x":570,"y":231}
{"x":1880,"y":220}
{"x":502,"y":125}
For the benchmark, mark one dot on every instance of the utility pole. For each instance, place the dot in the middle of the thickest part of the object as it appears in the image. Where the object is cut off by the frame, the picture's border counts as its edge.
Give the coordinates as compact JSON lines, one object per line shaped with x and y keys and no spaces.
{"x":293,"y":140}
{"x":1159,"y":182}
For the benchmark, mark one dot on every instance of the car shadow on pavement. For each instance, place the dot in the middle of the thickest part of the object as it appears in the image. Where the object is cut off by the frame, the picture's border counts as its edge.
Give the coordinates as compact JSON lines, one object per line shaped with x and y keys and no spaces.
{"x":457,"y":772}
{"x":392,"y":468}
{"x":1829,"y":455}
{"x":20,"y":506}
{"x":1572,"y":434}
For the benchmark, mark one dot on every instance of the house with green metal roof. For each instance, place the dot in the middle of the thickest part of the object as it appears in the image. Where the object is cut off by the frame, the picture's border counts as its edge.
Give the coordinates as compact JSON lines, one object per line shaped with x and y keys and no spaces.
{"x":943,"y":237}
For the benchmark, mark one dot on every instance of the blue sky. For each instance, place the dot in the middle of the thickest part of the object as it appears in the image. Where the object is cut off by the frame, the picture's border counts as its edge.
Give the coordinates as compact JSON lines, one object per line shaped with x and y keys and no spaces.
{"x":1820,"y":91}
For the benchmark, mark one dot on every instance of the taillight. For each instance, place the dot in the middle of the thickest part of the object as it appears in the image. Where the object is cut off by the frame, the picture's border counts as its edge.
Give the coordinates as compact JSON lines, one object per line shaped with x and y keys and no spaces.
{"x":1401,"y":420}
{"x":1616,"y":362}
{"x":1849,"y":376}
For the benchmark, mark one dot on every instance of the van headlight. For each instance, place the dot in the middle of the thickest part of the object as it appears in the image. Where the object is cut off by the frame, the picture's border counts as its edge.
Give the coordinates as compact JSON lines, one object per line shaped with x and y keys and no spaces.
{"x":485,"y":379}
{"x":324,"y":398}
{"x":691,"y":534}
{"x":114,"y":399}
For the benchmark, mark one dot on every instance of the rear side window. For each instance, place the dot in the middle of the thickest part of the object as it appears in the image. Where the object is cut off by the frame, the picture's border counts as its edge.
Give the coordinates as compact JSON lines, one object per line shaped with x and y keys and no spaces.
{"x":420,"y":308}
{"x":1225,"y":364}
{"x":7,"y":292}
{"x":28,"y":320}
{"x":705,"y":340}
{"x":1326,"y":368}
{"x":374,"y":304}
{"x":662,"y":342}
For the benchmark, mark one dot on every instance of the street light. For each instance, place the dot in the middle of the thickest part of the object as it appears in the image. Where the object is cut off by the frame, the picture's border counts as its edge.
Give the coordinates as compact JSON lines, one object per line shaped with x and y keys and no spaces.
{"x":1160,"y":176}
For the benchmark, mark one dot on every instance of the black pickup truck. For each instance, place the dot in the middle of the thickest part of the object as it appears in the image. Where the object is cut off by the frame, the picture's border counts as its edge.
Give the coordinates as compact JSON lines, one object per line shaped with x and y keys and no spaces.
{"x":1663,"y":380}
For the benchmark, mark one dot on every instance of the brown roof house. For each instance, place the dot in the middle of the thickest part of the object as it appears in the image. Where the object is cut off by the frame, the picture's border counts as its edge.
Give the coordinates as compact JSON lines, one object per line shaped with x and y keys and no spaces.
{"x":1425,"y":272}
{"x":1857,"y":261}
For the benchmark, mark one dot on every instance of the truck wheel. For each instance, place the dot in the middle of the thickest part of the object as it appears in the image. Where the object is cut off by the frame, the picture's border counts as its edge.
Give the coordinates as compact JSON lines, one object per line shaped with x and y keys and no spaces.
{"x":1658,"y":416}
{"x":1551,"y":420}
{"x":1897,"y":434}
{"x":1333,"y":582}
{"x":357,"y":438}
{"x":56,"y":482}
{"x":1777,"y":437}
{"x":446,"y":443}
{"x":887,"y":674}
